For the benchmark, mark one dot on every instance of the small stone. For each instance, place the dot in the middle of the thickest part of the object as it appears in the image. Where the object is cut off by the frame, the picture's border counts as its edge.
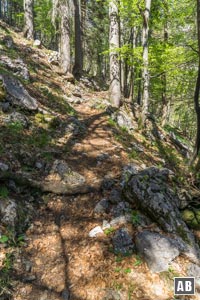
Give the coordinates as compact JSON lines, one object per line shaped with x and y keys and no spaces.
{"x":37,"y":43}
{"x":3,"y":167}
{"x":95,"y":231}
{"x":66,"y":294}
{"x":28,"y":265}
{"x":122,"y":242}
{"x":29,"y":278}
{"x":39,"y":165}
{"x":77,"y":94}
{"x":102,"y":206}
{"x":120,"y":220}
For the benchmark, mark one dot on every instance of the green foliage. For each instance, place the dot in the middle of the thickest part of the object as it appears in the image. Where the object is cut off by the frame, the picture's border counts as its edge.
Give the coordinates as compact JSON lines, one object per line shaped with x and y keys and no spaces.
{"x":4,"y":192}
{"x":109,"y":231}
{"x":138,"y":261}
{"x":39,"y":138}
{"x":133,"y":154}
{"x":5,"y":278}
{"x":15,"y":127}
{"x":127,"y":270}
{"x":4,"y":239}
{"x":43,"y":24}
{"x":135,"y":217}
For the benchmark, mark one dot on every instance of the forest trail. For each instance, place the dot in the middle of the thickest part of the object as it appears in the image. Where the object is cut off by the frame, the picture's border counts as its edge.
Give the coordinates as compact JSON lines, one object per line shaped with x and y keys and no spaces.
{"x":48,"y":253}
{"x":63,"y":257}
{"x":65,"y":262}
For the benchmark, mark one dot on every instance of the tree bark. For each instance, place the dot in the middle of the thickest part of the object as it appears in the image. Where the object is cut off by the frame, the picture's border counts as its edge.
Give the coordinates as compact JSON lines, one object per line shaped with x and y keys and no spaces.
{"x":165,"y":102}
{"x":28,"y":19}
{"x":145,"y":72}
{"x":78,"y":66}
{"x":65,"y":58}
{"x":115,"y":87}
{"x":197,"y":92}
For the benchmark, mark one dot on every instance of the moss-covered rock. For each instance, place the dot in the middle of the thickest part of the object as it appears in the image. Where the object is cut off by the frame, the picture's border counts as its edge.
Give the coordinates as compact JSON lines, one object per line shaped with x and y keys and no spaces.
{"x":48,"y":120}
{"x":188,"y":215}
{"x":192,"y":218}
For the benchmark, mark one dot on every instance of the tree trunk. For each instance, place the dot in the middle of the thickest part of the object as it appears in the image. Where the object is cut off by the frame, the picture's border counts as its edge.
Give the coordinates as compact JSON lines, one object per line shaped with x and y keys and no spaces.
{"x":83,"y":28}
{"x":78,"y":65}
{"x":115,"y":87}
{"x":65,"y":58}
{"x":145,"y":73}
{"x":165,"y":102}
{"x":28,"y":19}
{"x":197,"y":92}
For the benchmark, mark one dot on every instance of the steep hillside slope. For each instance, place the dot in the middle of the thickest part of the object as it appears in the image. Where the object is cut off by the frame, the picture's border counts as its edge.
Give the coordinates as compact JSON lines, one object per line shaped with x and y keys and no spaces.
{"x":68,"y":229}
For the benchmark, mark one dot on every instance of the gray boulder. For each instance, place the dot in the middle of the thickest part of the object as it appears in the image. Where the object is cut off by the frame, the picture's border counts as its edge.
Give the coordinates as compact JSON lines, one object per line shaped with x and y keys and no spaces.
{"x":17,"y":95}
{"x":157,"y":250}
{"x":62,"y":180}
{"x":17,"y":66}
{"x":151,"y":192}
{"x":8,"y":212}
{"x":127,"y":172}
{"x":194,"y":271}
{"x":122,"y":242}
{"x":123,"y":119}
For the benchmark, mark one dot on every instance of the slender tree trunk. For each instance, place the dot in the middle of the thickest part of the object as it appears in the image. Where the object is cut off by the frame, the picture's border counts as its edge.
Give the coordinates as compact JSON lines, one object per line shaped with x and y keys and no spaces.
{"x":197,"y":92}
{"x":83,"y":28}
{"x":115,"y":87}
{"x":65,"y":58}
{"x":28,"y":19}
{"x":145,"y":73}
{"x":133,"y":69}
{"x":165,"y":102}
{"x":78,"y":66}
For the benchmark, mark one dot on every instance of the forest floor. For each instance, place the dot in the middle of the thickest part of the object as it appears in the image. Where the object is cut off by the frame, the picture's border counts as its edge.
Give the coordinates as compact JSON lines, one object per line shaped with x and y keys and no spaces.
{"x":57,"y":259}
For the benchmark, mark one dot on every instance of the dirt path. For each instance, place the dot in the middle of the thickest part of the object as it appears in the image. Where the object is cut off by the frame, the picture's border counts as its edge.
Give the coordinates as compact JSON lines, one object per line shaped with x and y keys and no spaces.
{"x":61,"y":254}
{"x":61,"y":261}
